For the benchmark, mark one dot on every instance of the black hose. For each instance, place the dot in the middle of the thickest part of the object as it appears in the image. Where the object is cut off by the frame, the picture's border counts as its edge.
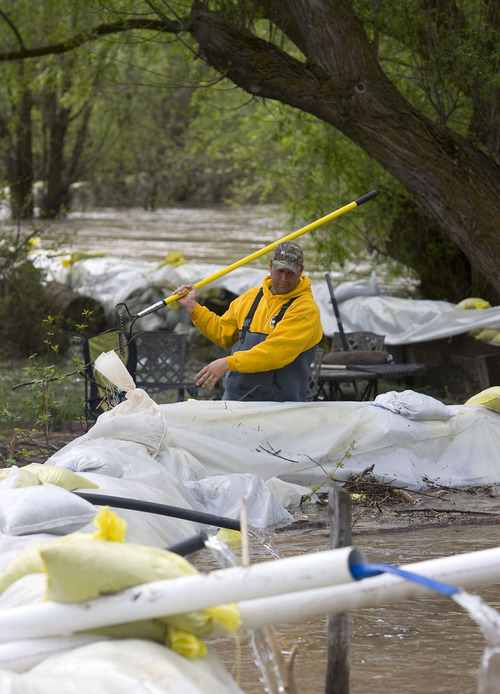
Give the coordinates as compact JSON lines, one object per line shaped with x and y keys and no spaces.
{"x":190,"y":545}
{"x":161,"y":509}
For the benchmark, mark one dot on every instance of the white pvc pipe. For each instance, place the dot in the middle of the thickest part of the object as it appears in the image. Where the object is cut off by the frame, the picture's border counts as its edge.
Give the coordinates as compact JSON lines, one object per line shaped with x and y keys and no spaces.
{"x":462,"y":571}
{"x":178,"y":595}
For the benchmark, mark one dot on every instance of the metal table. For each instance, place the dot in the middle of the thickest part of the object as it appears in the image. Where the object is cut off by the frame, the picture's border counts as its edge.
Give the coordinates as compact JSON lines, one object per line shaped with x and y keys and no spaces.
{"x":362,"y":379}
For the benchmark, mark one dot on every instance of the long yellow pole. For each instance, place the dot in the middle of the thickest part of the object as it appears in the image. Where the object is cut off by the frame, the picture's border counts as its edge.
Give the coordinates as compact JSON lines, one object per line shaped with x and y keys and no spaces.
{"x":263,"y":251}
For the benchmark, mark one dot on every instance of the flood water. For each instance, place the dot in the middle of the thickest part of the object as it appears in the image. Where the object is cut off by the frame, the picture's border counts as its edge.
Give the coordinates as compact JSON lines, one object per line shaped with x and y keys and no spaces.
{"x":217,"y":234}
{"x":415,"y":647}
{"x":419,"y":646}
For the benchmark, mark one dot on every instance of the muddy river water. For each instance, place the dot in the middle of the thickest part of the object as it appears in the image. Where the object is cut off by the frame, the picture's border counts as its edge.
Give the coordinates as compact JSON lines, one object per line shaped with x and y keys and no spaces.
{"x":415,"y":647}
{"x":429,"y":644}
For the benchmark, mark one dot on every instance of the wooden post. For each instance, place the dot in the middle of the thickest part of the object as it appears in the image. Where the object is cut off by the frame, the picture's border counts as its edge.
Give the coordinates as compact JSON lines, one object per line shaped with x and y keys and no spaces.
{"x":338,"y":625}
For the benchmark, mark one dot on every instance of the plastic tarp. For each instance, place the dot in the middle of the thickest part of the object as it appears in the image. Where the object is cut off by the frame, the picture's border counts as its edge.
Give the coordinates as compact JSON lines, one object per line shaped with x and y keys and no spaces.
{"x":362,"y":304}
{"x":301,"y":443}
{"x":116,"y":667}
{"x":213,"y":453}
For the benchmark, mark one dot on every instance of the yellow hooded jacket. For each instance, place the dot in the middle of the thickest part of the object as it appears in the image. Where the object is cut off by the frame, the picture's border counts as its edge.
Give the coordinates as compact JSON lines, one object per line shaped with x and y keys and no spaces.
{"x":299,"y":330}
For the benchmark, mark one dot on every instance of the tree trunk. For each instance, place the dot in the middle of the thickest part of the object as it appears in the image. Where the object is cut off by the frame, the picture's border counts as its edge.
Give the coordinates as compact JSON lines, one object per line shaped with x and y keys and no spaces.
{"x":19,"y":162}
{"x":342,"y":83}
{"x":57,"y":120}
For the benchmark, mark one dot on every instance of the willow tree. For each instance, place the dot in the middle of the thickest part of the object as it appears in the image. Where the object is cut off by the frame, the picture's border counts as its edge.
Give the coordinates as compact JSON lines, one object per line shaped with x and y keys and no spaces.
{"x":430,"y":118}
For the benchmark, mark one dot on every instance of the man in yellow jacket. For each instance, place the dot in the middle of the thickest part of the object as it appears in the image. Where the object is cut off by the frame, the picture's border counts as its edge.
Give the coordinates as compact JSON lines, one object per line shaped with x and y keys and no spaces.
{"x":273,"y":332}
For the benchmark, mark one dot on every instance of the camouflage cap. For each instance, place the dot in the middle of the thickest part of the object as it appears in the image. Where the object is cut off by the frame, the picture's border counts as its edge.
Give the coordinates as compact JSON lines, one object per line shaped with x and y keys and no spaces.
{"x":288,"y":256}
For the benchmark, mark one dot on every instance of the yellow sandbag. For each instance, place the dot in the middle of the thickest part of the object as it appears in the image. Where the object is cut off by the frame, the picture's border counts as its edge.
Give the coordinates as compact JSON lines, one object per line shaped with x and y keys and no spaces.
{"x":489,"y":398}
{"x":25,"y":478}
{"x":487,"y":335}
{"x":29,"y":560}
{"x":61,"y":477}
{"x":472,"y":302}
{"x":80,"y":568}
{"x":87,"y":570}
{"x":232,"y":538}
{"x":83,"y":571}
{"x":151,"y":629}
{"x":80,"y":255}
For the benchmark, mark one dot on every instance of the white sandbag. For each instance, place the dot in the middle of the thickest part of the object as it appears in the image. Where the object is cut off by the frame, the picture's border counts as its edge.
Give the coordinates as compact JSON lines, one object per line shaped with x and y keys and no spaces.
{"x":43,"y":509}
{"x":412,"y":405}
{"x":86,"y":455}
{"x":111,"y":367}
{"x":221,"y":495}
{"x":288,"y":494}
{"x":122,"y":667}
{"x":405,"y":321}
{"x":116,"y":458}
{"x":138,"y":418}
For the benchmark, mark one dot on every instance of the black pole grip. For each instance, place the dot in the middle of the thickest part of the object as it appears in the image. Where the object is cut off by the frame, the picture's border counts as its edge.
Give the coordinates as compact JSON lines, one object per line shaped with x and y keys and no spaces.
{"x":365,"y":198}
{"x":161,"y":509}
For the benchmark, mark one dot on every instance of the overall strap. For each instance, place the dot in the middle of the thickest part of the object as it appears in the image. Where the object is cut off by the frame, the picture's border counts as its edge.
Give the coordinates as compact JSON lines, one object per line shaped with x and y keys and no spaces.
{"x":279,"y":316}
{"x":250,"y":314}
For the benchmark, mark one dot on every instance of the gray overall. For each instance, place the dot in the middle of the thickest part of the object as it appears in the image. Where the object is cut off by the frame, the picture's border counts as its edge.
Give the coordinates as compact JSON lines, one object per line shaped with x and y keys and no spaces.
{"x":287,"y":383}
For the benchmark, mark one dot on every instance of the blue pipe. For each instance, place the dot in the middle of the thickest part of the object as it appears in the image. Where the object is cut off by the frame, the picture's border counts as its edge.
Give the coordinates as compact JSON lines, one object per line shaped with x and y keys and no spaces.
{"x":360,"y":571}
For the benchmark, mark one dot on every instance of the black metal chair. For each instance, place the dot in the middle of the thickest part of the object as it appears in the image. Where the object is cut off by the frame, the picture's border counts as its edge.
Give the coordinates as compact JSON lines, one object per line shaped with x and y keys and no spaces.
{"x":160,"y":363}
{"x":358,"y":348}
{"x":361,"y":340}
{"x":313,"y":383}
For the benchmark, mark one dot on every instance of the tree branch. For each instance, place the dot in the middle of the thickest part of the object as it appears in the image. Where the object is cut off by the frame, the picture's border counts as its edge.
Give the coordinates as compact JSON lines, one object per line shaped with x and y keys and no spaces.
{"x":158,"y":25}
{"x":13,"y":27}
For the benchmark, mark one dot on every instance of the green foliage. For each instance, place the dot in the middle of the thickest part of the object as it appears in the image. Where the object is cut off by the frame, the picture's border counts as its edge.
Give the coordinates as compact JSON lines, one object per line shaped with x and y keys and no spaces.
{"x":444,"y":57}
{"x":50,"y":393}
{"x":21,"y":307}
{"x":330,"y":476}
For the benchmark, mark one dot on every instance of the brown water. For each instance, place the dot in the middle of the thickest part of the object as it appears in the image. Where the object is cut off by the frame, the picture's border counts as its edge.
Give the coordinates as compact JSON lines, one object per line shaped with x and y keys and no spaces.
{"x":216,"y":234}
{"x":220,"y":234}
{"x":414,"y":647}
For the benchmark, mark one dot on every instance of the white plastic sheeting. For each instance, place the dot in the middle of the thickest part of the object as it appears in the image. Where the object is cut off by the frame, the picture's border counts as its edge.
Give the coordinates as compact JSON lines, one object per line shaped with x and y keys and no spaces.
{"x":120,"y":667}
{"x":300,"y":443}
{"x":404,"y":321}
{"x":213,"y":453}
{"x":361,"y":304}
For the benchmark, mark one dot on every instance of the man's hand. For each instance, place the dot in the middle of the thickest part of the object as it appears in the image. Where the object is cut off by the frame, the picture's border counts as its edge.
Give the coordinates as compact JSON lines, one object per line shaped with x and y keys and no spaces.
{"x":187,"y":302}
{"x":210,"y":374}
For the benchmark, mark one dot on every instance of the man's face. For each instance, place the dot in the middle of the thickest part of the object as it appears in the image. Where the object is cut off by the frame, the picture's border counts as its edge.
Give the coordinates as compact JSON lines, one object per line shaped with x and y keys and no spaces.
{"x":283,"y":281}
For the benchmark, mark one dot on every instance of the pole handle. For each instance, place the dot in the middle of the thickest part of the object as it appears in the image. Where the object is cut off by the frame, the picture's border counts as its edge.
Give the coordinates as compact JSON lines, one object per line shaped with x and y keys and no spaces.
{"x":366,"y":198}
{"x":263,"y":251}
